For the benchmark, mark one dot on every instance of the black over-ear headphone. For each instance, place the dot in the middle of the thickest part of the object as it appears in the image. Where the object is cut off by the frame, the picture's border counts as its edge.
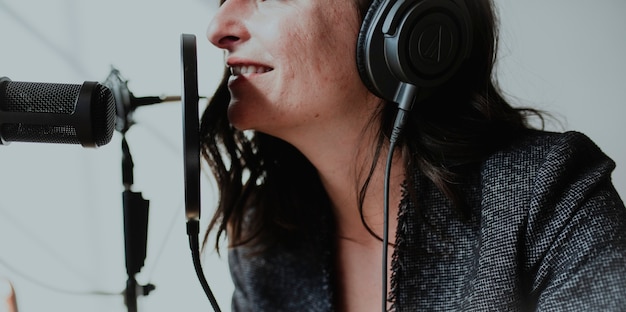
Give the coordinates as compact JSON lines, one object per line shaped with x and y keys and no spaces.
{"x":416,"y":42}
{"x":403,"y":47}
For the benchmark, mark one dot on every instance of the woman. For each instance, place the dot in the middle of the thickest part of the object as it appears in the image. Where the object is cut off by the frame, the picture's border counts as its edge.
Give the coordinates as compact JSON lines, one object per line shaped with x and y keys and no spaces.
{"x":486,"y":213}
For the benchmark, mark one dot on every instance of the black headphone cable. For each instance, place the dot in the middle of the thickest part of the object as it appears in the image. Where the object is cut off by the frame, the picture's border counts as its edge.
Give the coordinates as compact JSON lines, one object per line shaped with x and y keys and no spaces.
{"x":406,"y":98}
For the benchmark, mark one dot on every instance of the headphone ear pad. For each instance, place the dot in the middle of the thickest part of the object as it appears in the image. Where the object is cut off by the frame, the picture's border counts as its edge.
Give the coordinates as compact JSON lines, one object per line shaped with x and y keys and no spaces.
{"x":361,"y":45}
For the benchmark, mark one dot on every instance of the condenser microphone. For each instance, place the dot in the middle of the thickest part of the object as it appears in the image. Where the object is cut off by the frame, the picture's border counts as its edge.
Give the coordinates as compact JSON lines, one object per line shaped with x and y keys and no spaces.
{"x":56,"y":113}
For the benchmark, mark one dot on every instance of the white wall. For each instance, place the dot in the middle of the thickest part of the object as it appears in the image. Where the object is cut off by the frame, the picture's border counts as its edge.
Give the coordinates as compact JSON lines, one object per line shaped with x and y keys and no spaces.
{"x":60,"y":205}
{"x":567,"y":57}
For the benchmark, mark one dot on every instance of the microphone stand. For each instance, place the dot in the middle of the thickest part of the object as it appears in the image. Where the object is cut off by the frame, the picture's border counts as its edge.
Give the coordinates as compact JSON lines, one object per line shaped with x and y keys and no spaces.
{"x":135,"y":207}
{"x":135,"y":231}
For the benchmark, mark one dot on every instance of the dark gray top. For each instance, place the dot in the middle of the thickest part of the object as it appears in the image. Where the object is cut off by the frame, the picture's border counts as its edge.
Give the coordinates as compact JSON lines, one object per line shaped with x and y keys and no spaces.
{"x":547,"y":233}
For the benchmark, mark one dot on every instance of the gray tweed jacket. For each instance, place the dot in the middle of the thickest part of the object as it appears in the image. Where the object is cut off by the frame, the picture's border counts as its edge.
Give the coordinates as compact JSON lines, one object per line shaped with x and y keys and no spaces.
{"x":547,"y":233}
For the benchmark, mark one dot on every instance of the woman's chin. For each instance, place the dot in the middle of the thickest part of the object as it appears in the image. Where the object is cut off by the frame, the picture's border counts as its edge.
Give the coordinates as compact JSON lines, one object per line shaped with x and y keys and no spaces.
{"x":238,"y":117}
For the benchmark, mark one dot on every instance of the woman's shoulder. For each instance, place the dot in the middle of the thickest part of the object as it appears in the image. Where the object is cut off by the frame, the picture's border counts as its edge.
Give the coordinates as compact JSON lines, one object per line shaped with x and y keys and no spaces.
{"x":555,"y":190}
{"x":553,"y":152}
{"x":539,"y":144}
{"x":547,"y":167}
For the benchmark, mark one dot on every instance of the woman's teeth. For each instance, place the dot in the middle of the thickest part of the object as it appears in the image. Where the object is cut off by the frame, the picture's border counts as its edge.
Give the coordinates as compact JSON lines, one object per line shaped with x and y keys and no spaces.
{"x":248,"y":69}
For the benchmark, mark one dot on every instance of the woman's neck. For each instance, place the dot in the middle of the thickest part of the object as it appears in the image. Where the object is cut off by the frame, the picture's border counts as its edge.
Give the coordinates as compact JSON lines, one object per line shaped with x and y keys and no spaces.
{"x":343,"y":162}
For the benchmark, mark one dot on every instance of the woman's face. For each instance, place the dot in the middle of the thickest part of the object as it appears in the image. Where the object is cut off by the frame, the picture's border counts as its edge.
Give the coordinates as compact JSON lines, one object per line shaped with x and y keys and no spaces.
{"x":292,"y":63}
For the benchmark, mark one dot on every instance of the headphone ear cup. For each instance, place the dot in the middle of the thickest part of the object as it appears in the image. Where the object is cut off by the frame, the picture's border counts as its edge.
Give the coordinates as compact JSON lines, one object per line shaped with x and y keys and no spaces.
{"x":429,"y":43}
{"x":416,"y":42}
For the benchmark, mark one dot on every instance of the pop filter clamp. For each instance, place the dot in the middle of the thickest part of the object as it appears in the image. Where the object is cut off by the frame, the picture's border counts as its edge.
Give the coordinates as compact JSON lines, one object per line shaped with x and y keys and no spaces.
{"x":126,"y":102}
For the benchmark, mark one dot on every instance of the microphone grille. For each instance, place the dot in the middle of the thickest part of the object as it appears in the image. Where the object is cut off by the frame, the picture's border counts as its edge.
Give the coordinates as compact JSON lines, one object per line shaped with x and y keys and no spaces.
{"x":33,"y":97}
{"x":56,"y":99}
{"x":104,"y":115}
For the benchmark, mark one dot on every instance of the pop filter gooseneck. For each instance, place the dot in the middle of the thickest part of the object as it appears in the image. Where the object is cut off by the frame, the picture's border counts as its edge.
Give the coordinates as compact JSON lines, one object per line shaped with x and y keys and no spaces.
{"x":191,"y":151}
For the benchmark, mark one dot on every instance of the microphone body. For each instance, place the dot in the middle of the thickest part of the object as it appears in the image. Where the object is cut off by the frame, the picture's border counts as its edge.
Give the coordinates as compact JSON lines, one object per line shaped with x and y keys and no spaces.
{"x":56,"y":113}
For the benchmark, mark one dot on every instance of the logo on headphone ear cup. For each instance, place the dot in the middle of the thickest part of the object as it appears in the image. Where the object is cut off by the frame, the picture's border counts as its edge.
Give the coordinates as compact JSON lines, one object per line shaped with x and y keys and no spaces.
{"x":416,"y":42}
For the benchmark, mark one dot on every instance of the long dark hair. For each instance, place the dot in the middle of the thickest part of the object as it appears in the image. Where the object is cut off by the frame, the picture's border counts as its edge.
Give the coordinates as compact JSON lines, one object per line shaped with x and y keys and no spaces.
{"x":267,"y":187}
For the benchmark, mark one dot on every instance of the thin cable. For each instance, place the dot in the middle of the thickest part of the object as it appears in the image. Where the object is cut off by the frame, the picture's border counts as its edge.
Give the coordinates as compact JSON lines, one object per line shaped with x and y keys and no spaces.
{"x":65,"y":55}
{"x":41,"y":284}
{"x":171,"y":147}
{"x":44,"y":247}
{"x":168,"y":235}
{"x":392,"y":145}
{"x":406,"y":98}
{"x":193,"y":229}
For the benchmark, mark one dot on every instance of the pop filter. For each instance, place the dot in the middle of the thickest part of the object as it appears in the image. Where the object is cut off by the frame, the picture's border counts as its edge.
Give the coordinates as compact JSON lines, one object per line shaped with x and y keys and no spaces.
{"x":191,"y":127}
{"x":191,"y":151}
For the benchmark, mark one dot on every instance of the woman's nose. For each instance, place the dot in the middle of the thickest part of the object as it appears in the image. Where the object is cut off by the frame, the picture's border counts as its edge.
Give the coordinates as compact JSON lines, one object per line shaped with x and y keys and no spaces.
{"x":227,"y":29}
